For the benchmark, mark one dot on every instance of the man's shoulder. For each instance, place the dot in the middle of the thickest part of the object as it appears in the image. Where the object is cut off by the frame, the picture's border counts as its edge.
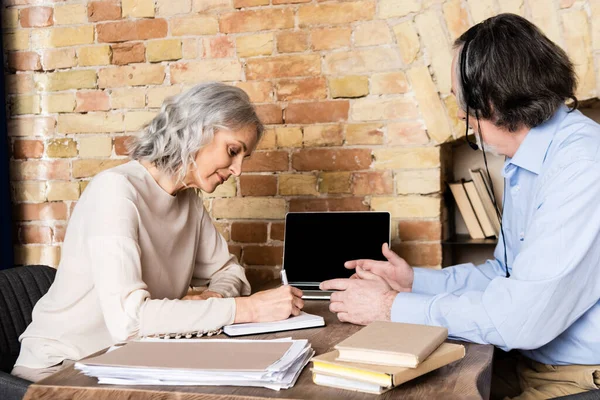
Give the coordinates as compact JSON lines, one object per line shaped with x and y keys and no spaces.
{"x":577,"y":139}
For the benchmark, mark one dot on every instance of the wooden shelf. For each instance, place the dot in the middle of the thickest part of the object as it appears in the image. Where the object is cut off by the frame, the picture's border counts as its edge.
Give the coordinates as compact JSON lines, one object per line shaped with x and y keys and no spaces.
{"x":467,"y":240}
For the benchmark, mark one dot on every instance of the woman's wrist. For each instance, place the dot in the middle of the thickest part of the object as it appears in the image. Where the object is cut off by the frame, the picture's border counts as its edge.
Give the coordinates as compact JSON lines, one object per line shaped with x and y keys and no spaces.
{"x":244,"y":311}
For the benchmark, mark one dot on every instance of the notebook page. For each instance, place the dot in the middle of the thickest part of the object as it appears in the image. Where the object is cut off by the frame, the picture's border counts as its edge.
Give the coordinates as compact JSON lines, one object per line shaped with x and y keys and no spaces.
{"x":304,"y":320}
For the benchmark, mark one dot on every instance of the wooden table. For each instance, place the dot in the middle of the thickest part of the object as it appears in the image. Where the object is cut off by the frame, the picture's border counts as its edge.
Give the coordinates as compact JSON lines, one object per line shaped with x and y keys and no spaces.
{"x":468,"y":378}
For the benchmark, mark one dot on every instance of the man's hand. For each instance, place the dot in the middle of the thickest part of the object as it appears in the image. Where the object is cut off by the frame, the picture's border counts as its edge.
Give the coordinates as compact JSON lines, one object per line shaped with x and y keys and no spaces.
{"x":361,"y":301}
{"x":395,"y":271}
{"x":269,"y":305}
{"x":202,"y":296}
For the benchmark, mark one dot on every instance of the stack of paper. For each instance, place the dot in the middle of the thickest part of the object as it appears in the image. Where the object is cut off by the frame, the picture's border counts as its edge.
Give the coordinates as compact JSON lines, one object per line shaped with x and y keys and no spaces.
{"x":274,"y":364}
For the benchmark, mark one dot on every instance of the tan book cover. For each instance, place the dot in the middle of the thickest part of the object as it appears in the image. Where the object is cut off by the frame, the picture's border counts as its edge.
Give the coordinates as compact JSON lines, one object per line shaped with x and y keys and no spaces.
{"x":392,"y":343}
{"x":385,"y":377}
{"x":485,"y":194}
{"x":479,"y":208}
{"x":207,"y":355}
{"x":466,"y":210}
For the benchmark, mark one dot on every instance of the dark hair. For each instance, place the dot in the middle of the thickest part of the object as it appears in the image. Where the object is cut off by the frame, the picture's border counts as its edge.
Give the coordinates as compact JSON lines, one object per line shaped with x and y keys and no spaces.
{"x":514,"y":75}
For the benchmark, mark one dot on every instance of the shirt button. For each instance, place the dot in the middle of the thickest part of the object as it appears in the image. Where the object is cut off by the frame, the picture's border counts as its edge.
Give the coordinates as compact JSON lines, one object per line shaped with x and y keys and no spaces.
{"x":521,"y":236}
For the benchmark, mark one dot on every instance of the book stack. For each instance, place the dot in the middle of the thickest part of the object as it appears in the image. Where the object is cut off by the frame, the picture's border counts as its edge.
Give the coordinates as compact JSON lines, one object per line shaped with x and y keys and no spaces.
{"x":384,"y":355}
{"x":475,"y":201}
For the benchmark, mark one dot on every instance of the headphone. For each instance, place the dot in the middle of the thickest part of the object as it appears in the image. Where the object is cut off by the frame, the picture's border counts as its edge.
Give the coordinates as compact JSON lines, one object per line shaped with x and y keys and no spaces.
{"x":466,"y":90}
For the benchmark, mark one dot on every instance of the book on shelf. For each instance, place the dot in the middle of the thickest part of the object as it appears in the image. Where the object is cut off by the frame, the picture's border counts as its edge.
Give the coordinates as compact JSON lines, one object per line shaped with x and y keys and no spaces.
{"x":484,"y":189}
{"x":392,"y":343}
{"x":465,"y":208}
{"x":476,"y":202}
{"x":329,"y":371}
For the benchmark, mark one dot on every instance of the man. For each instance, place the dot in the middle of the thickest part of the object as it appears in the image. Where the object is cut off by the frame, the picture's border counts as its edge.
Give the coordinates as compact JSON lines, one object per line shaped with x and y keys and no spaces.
{"x":540,"y":294}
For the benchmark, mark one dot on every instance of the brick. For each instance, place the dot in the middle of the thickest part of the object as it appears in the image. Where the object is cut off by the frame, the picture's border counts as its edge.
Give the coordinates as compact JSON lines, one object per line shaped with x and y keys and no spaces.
{"x":136,"y":120}
{"x":173,"y":7}
{"x":389,"y":83}
{"x":407,"y":133}
{"x":41,"y":212}
{"x":94,"y":55}
{"x":92,"y":101}
{"x":546,"y":18}
{"x":408,"y":206}
{"x":277,"y":2}
{"x":329,"y":204}
{"x":266,"y":161}
{"x":34,"y":170}
{"x":206,"y":70}
{"x":24,"y":61}
{"x":63,"y":191}
{"x":421,"y":181}
{"x":577,"y":41}
{"x":408,"y":41}
{"x":157,"y":95}
{"x":189,"y":48}
{"x":434,"y":114}
{"x":323,"y":135}
{"x":457,"y":18}
{"x":420,"y":254}
{"x":458,"y":126}
{"x":249,"y":3}
{"x":384,"y":108}
{"x":227,"y":189}
{"x":315,"y":112}
{"x":249,"y":232}
{"x":260,"y":44}
{"x":283,"y":67}
{"x":269,"y":113}
{"x":90,"y":123}
{"x":25,"y":104}
{"x":127,"y":53}
{"x":364,"y":134}
{"x":29,"y":191}
{"x":64,"y":36}
{"x":36,"y":17}
{"x":566,"y":3}
{"x":288,"y":136}
{"x":259,"y":92}
{"x":262,"y":255}
{"x":194,"y":25}
{"x":249,"y":208}
{"x":438,"y":48}
{"x":595,"y":10}
{"x":19,"y":83}
{"x":349,"y":86}
{"x":361,"y":61}
{"x":258,"y":185}
{"x":128,"y":98}
{"x":65,"y":80}
{"x":334,"y":182}
{"x":292,"y":42}
{"x":277,"y":231}
{"x":28,"y":149}
{"x":482,"y":9}
{"x":335,"y":13}
{"x":35,"y":234}
{"x":268,"y":140}
{"x":131,"y":75}
{"x":121,"y":145}
{"x":331,"y":160}
{"x":372,"y":33}
{"x":70,"y":14}
{"x":218,"y":47}
{"x":412,"y":230}
{"x":298,"y":185}
{"x":89,"y":168}
{"x":366,"y":183}
{"x":394,"y":8}
{"x":95,"y":146}
{"x":409,"y":158}
{"x":10,"y":18}
{"x":302,"y":89}
{"x":103,"y":11}
{"x":61,"y":148}
{"x":162,"y":50}
{"x":59,"y":58}
{"x":330,"y":38}
{"x":211,"y":5}
{"x":59,"y":232}
{"x":512,"y":6}
{"x":137,"y":8}
{"x":31,"y":126}
{"x":37,"y":255}
{"x":18,"y":40}
{"x":256,"y":20}
{"x":58,"y":103}
{"x":124,"y":31}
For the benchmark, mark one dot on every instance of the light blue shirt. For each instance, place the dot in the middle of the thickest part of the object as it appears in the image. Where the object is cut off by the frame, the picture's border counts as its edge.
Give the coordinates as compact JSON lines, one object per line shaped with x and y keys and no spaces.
{"x":549,"y":308}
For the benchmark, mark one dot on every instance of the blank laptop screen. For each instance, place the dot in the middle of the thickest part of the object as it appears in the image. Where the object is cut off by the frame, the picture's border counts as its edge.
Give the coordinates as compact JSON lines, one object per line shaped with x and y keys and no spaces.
{"x":317,"y":244}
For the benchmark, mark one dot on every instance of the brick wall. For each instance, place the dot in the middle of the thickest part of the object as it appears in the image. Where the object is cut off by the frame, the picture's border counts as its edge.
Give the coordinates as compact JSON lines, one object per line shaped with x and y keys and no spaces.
{"x":355,"y":96}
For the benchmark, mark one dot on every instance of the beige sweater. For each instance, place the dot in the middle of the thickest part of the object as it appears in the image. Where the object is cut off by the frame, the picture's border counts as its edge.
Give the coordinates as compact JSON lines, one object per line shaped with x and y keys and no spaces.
{"x":131,"y":251}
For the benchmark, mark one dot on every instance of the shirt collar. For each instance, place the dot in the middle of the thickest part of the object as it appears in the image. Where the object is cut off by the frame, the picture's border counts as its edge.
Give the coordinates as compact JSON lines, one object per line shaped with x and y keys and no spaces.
{"x":532,"y":151}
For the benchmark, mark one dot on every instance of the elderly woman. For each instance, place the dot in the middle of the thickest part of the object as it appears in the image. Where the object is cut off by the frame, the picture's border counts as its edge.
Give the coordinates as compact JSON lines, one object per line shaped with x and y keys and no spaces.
{"x":140,"y":236}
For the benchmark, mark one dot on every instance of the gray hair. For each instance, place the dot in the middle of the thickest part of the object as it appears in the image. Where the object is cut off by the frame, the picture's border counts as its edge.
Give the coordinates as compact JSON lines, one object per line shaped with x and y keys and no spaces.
{"x":189,"y":121}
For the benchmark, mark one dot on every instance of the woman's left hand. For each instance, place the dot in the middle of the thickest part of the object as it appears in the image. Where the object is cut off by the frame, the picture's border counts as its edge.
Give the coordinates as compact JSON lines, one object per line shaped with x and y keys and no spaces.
{"x":202,"y":296}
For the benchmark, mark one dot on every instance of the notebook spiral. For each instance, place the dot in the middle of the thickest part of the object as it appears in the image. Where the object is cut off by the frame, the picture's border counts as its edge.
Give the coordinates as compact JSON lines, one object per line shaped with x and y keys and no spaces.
{"x":188,"y":335}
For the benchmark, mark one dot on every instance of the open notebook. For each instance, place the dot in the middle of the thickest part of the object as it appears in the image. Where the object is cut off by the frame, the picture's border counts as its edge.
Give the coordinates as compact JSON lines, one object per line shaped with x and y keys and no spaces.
{"x":304,"y":320}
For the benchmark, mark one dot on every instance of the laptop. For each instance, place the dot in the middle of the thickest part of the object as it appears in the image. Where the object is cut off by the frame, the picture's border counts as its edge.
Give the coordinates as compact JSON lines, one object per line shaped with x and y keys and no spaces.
{"x":317,"y":244}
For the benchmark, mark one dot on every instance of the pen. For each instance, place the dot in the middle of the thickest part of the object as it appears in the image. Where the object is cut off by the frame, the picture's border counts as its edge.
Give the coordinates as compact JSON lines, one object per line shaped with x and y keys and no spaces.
{"x":284,"y":277}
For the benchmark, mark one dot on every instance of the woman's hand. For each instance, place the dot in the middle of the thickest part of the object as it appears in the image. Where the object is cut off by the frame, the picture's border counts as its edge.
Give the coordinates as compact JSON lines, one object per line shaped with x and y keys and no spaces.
{"x":395,"y":271}
{"x":203,"y":295}
{"x":269,"y":305}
